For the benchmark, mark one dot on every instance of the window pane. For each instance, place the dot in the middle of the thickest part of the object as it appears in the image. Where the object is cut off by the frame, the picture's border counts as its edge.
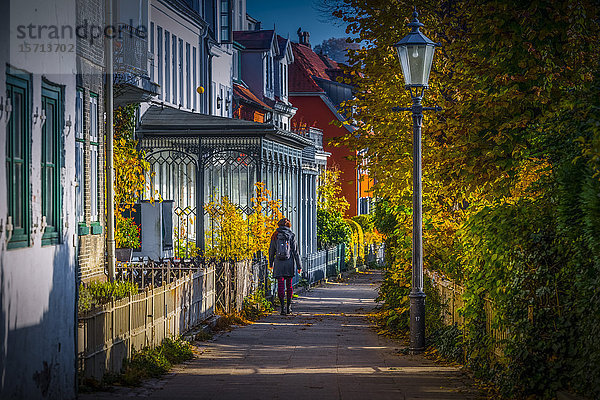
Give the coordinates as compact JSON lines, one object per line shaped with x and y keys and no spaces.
{"x":94,"y":182}
{"x":159,"y":58}
{"x":79,"y":176}
{"x":187,"y":75}
{"x":18,"y":195}
{"x":195,"y":74}
{"x":50,"y":193}
{"x":93,"y":119}
{"x":167,"y":90}
{"x":79,"y":115}
{"x":174,"y":67}
{"x":17,"y":119}
{"x":180,"y":72}
{"x":50,"y":135}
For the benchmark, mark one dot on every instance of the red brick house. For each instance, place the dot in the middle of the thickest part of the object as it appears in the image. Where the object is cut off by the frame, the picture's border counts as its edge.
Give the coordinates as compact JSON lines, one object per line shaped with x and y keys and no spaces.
{"x":317,"y":95}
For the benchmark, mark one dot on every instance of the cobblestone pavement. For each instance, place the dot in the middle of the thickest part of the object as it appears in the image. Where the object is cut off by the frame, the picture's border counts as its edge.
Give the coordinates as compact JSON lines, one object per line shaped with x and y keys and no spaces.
{"x":324,"y":350}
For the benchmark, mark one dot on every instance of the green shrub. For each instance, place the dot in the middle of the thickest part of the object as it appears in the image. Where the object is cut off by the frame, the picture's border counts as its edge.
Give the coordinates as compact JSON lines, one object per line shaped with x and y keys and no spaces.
{"x":153,"y":363}
{"x":448,"y":342}
{"x":98,"y":293}
{"x":176,"y":350}
{"x":255,"y":306}
{"x":331,"y":229}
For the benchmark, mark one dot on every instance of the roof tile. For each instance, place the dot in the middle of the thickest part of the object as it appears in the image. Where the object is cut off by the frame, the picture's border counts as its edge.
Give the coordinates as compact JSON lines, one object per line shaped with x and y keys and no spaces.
{"x":308,"y":64}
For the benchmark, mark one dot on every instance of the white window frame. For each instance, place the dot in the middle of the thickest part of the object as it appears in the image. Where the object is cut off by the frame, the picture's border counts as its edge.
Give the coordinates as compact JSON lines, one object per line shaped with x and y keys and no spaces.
{"x":79,"y":157}
{"x":94,"y":159}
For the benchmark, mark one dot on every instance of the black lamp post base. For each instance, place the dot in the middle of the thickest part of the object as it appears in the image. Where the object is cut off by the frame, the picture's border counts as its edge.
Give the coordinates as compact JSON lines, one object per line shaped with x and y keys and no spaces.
{"x":417,"y":322}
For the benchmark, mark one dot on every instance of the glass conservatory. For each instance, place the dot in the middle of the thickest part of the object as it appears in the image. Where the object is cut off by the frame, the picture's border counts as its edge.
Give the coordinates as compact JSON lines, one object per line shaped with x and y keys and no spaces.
{"x":196,"y":158}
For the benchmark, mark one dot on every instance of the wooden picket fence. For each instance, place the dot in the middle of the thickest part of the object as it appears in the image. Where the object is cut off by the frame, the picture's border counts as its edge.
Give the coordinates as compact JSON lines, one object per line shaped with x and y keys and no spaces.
{"x":451,"y":298}
{"x":174,"y":297}
{"x":109,"y":334}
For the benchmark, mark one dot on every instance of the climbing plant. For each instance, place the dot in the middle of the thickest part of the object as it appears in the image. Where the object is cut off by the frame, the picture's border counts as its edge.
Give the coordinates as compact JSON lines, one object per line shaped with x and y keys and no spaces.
{"x":130,"y":169}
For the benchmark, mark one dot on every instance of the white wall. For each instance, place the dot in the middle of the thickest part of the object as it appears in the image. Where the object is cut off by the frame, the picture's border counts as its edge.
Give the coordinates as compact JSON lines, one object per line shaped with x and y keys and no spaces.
{"x":38,"y":284}
{"x":190,"y":32}
{"x":222,"y":84}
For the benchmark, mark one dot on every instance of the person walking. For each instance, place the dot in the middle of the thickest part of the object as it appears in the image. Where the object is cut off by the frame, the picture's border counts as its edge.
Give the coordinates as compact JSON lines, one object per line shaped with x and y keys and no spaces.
{"x":283,"y":257}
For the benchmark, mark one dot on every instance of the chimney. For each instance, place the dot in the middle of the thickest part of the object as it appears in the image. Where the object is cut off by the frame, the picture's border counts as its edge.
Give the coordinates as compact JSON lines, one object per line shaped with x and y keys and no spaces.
{"x":303,"y":37}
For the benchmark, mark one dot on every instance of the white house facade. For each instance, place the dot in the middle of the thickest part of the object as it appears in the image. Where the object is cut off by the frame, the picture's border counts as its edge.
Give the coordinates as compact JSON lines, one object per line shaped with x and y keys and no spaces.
{"x":38,"y":223}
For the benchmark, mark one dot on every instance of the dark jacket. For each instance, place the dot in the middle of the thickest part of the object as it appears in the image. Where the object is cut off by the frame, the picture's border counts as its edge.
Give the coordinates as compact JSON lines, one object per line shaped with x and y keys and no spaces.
{"x":286,"y":268}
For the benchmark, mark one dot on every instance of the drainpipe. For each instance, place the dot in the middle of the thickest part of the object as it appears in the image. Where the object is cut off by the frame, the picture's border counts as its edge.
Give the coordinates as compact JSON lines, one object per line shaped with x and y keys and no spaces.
{"x":110,"y":203}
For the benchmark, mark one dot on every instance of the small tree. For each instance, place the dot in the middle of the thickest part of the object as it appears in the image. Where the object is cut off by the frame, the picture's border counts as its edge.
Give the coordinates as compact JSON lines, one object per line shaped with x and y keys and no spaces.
{"x":330,"y":192}
{"x":263,"y":221}
{"x":228,"y":237}
{"x":237,"y":236}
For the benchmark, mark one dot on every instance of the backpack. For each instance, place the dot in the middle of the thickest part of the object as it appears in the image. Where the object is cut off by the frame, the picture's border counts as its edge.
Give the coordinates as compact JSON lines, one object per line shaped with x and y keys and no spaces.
{"x":283,"y":247}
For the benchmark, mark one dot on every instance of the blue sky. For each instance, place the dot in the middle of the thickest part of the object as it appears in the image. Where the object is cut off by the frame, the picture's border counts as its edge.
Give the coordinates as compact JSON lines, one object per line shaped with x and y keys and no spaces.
{"x":289,"y":15}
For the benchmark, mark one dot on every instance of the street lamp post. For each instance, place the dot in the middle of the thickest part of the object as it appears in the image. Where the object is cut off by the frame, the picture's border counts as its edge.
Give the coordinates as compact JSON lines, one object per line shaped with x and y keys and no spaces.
{"x":415,"y":52}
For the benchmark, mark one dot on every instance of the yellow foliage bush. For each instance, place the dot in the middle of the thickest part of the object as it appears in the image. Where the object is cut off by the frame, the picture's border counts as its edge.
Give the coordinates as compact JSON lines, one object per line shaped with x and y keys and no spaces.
{"x":358,"y":238}
{"x":234,"y":235}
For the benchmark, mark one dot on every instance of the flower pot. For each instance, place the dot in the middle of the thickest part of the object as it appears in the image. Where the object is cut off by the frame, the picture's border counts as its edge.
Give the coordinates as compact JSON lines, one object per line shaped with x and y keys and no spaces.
{"x":124,"y":255}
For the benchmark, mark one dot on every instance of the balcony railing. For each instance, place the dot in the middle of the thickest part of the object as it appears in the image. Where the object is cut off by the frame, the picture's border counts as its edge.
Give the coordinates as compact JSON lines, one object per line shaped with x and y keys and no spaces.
{"x":131,"y":52}
{"x":314,"y":134}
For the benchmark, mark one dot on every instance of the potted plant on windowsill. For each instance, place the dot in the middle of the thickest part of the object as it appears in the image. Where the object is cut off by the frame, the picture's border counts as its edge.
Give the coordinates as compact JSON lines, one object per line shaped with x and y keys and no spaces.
{"x":127,"y":237}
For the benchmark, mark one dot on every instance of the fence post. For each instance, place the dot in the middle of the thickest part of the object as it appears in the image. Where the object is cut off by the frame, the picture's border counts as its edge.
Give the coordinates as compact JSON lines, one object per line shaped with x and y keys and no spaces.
{"x":326,"y":263}
{"x":112,"y":327}
{"x":152,"y":273}
{"x":190,"y":296}
{"x":129,"y":327}
{"x":146,"y":317}
{"x":166,"y":318}
{"x":168,"y":280}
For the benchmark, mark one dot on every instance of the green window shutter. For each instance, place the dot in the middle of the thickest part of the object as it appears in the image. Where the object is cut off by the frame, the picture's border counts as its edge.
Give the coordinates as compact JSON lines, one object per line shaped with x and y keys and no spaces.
{"x":96,"y":228}
{"x":18,"y":159}
{"x":51,"y":162}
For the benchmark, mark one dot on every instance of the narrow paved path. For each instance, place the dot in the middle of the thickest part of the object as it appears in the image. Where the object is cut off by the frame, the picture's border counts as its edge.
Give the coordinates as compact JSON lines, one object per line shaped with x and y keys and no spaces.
{"x":325,"y":350}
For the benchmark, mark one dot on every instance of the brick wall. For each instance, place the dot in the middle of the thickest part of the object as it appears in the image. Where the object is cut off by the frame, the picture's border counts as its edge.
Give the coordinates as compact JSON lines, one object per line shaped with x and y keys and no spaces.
{"x":90,"y":68}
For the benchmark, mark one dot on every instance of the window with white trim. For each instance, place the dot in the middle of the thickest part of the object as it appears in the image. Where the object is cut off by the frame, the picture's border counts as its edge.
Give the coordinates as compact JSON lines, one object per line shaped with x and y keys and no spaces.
{"x":94,"y":158}
{"x":159,"y":58}
{"x":174,"y":66}
{"x":18,"y":159}
{"x":167,"y":89}
{"x":188,"y":80}
{"x":79,"y":158}
{"x":51,"y":162}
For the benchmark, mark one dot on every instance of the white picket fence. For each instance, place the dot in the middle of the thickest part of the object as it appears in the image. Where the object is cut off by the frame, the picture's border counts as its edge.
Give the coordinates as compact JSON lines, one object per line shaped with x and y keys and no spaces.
{"x":109,"y":334}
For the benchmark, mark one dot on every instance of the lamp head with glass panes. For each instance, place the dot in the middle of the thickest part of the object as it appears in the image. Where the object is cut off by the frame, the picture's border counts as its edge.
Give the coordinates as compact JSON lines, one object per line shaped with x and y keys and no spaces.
{"x":415,"y":52}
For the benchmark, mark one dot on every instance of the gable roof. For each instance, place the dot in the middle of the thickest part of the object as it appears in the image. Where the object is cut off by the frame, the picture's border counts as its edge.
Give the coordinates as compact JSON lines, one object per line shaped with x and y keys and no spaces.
{"x":245,"y":95}
{"x":255,"y":40}
{"x":309,"y":65}
{"x":306,"y":65}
